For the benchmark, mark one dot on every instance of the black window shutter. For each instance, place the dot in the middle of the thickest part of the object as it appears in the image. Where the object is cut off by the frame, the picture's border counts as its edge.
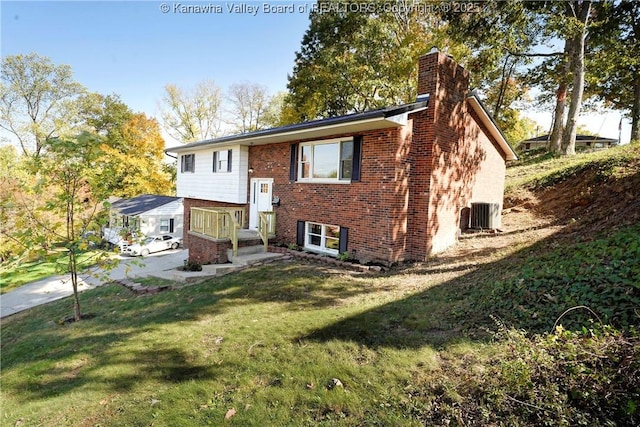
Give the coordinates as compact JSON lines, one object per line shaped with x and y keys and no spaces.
{"x":171,"y":225}
{"x":229,"y":161}
{"x":293,"y":165}
{"x":215,"y":161}
{"x":182,"y":160}
{"x":357,"y":156}
{"x":344,"y":237}
{"x":300,"y":234}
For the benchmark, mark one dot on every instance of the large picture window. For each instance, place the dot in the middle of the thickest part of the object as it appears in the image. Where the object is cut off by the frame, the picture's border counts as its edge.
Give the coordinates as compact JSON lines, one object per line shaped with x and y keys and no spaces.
{"x":326,"y":161}
{"x":322,"y":237}
{"x":188,"y":163}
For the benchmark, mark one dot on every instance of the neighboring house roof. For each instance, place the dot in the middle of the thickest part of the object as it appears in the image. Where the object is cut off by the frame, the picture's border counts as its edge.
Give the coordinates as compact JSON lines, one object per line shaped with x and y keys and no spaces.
{"x":141,"y":204}
{"x":584,"y":139}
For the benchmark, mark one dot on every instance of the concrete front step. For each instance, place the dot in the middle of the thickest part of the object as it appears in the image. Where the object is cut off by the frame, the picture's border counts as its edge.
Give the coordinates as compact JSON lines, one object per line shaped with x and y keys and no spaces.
{"x":245,"y":250}
{"x":213,"y":270}
{"x":254,"y":258}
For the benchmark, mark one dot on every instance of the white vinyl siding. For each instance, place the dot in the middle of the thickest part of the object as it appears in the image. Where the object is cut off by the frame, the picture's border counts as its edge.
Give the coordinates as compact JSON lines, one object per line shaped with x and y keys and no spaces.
{"x":205,"y":184}
{"x":151,"y":221}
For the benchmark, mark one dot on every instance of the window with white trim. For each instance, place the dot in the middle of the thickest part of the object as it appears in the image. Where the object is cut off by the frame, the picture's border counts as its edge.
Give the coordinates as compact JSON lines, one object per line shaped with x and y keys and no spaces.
{"x":188,"y":163}
{"x":326,"y":161}
{"x":222,"y":161}
{"x":322,"y":237}
{"x":166,"y":225}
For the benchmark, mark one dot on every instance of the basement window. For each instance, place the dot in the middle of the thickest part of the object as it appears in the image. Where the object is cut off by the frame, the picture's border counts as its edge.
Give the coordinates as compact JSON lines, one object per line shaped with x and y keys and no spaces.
{"x":322,"y":238}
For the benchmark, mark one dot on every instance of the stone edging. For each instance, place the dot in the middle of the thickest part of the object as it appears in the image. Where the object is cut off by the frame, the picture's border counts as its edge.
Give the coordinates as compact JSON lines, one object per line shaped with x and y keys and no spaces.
{"x":308,"y":256}
{"x":139,"y":289}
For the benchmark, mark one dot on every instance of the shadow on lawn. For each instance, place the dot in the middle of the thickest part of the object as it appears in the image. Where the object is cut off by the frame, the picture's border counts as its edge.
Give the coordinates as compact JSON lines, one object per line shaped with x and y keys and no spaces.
{"x":61,"y":357}
{"x":161,"y":363}
{"x":530,"y":290}
{"x":443,"y":314}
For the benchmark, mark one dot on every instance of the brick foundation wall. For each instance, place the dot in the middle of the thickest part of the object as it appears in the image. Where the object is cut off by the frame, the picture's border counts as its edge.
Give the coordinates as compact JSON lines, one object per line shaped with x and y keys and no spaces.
{"x":203,"y":249}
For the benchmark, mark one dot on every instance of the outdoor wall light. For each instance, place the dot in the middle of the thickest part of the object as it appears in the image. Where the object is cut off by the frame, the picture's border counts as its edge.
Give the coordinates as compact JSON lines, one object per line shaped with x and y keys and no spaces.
{"x":250,"y":171}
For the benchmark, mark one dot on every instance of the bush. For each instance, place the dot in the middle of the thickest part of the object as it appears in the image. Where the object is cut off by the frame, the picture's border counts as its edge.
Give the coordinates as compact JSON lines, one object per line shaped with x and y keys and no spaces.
{"x":191,"y":266}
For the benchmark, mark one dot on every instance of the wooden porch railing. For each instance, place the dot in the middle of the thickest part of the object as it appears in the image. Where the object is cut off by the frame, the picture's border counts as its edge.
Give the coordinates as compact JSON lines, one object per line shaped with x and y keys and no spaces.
{"x":219,"y":223}
{"x":266,"y":227}
{"x":224,"y":223}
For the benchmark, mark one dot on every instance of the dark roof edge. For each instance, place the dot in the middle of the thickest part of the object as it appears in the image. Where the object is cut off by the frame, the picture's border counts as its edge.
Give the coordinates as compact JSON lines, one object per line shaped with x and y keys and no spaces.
{"x":382,"y":113}
{"x":474,"y":94}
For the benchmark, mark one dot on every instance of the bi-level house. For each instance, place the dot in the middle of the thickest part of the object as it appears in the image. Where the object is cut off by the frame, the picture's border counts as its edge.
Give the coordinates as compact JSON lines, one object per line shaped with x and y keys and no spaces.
{"x":386,"y":186}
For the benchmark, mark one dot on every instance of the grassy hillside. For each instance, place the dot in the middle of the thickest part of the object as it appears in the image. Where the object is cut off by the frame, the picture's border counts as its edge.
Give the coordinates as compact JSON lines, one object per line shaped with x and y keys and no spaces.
{"x":470,"y":338}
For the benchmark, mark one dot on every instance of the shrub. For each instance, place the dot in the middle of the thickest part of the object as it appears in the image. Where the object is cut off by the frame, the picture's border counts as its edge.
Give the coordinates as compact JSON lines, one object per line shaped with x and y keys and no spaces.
{"x":191,"y":266}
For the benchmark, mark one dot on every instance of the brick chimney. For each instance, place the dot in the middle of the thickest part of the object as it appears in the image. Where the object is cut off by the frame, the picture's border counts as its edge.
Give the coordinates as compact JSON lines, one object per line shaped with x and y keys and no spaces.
{"x":441,"y":77}
{"x":438,"y":139}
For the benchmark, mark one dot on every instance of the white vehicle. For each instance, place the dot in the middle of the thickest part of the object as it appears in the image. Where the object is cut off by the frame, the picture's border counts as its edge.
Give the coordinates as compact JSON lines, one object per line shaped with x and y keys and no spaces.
{"x":119,"y":237}
{"x":153,"y":244}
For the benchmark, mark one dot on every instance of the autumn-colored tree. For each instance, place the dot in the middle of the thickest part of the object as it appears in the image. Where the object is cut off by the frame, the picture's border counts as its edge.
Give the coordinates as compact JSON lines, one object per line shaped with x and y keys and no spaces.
{"x":12,"y":173}
{"x":57,"y":208}
{"x":132,"y":149}
{"x":134,"y":164}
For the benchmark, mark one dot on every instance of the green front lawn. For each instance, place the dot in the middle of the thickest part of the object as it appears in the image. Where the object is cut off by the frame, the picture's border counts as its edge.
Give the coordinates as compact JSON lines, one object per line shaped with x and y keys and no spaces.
{"x":14,"y":274}
{"x":293,"y":344}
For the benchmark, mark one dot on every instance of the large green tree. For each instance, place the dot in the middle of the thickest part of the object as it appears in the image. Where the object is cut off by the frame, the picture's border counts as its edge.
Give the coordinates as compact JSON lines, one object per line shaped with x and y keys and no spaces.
{"x":496,"y":34}
{"x":614,"y":59}
{"x":361,"y":56}
{"x":532,"y":26}
{"x":37,"y":101}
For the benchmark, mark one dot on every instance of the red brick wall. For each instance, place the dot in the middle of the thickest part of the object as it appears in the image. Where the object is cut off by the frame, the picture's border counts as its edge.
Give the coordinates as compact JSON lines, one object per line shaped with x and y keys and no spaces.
{"x":437,"y":135}
{"x":374,"y":209}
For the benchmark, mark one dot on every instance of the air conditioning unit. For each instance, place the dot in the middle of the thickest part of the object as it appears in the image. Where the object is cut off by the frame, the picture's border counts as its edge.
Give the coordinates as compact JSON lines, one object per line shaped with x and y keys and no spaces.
{"x":485,"y":215}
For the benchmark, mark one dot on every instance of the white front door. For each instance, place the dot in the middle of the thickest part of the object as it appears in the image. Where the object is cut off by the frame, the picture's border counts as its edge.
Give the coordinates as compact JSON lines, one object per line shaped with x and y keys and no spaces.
{"x":261,"y":194}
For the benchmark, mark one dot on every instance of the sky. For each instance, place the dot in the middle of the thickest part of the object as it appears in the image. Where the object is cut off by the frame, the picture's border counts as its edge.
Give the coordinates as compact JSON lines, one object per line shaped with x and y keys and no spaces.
{"x":135,"y":48}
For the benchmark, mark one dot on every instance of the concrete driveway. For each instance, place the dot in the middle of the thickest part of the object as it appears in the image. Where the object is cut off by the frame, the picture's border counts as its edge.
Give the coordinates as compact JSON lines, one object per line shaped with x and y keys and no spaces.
{"x":56,"y":287}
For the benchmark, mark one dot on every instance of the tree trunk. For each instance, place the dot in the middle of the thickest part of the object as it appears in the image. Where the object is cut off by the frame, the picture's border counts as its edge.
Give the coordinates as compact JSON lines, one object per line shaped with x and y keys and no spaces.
{"x":558,"y":119}
{"x":73,"y":268}
{"x":577,"y":90}
{"x":635,"y":110}
{"x":555,"y":141}
{"x":581,"y":10}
